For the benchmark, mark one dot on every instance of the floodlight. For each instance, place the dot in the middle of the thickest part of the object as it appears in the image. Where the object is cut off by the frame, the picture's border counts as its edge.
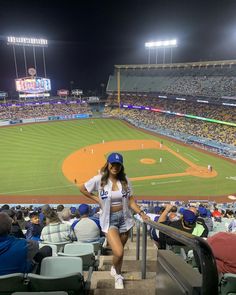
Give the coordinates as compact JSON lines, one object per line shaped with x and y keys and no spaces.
{"x":24,"y":41}
{"x":161,"y":44}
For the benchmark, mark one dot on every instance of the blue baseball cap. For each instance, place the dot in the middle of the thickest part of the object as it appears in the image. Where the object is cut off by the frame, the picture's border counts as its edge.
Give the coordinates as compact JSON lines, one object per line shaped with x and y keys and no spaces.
{"x":115,"y":158}
{"x":189,"y":216}
{"x":202,"y":211}
{"x":83,"y":209}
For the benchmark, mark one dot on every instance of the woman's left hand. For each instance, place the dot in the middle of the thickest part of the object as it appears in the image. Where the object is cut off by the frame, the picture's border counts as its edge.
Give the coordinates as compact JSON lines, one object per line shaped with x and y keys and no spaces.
{"x":145,"y":217}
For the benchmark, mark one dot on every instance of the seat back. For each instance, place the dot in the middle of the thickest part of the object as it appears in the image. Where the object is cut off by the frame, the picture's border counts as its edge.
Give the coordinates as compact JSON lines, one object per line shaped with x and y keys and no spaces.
{"x":228,"y":284}
{"x":60,"y":246}
{"x":83,"y":250}
{"x":79,"y":248}
{"x":12,"y":282}
{"x":53,"y":246}
{"x":55,"y":266}
{"x":72,"y":283}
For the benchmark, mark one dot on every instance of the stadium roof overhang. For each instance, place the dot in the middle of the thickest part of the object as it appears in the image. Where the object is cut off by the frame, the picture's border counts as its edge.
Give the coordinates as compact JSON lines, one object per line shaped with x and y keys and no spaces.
{"x":205,"y":64}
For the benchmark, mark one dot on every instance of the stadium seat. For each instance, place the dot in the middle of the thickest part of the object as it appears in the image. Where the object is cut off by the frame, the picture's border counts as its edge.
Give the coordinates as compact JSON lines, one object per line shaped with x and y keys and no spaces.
{"x":60,"y":274}
{"x":72,"y":283}
{"x":228,"y":284}
{"x":83,"y":250}
{"x":12,"y":282}
{"x":53,"y":246}
{"x":60,"y":246}
{"x":56,"y":266}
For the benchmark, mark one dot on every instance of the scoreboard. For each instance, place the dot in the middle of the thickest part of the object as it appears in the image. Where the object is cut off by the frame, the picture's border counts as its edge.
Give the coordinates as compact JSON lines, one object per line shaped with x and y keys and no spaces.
{"x":33,"y":85}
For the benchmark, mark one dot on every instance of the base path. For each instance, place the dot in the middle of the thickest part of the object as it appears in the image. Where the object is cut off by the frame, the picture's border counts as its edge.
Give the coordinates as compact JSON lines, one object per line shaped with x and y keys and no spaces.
{"x":87,"y":162}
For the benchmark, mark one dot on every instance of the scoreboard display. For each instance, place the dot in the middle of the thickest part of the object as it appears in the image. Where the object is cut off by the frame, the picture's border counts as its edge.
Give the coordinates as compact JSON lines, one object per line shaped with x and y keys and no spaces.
{"x":33,"y":85}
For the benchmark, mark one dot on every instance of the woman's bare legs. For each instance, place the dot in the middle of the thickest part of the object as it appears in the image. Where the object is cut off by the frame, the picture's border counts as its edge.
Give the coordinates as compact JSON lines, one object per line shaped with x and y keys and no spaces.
{"x":117,"y":242}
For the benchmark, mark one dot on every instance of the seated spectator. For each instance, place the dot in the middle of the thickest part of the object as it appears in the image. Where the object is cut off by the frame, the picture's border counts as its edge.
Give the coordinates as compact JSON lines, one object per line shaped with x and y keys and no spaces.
{"x":55,"y":231}
{"x":5,"y":207}
{"x":43,"y":211}
{"x":229,"y":214}
{"x":18,"y":255}
{"x":59,"y":210}
{"x":204,"y":215}
{"x":199,"y":220}
{"x":223,"y":246}
{"x":33,"y":227}
{"x":187,"y":223}
{"x":232,"y":226}
{"x":20,"y":219}
{"x":216,"y":213}
{"x":16,"y":231}
{"x":87,"y":229}
{"x":65,"y":215}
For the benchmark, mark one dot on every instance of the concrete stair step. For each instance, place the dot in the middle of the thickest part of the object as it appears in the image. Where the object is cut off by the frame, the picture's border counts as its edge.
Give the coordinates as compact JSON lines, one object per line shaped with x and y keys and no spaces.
{"x":103,"y":283}
{"x":131,"y":266}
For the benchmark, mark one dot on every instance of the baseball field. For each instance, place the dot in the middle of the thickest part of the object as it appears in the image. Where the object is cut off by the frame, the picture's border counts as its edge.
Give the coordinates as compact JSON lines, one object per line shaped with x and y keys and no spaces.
{"x":46,"y":162}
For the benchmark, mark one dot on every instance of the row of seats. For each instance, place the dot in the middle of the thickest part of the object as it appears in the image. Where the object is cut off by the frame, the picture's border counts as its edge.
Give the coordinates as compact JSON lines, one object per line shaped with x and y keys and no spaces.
{"x":56,"y":274}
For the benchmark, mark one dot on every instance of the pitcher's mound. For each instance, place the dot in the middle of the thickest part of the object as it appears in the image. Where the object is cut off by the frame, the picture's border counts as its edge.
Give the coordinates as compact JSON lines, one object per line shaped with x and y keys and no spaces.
{"x":148,"y":161}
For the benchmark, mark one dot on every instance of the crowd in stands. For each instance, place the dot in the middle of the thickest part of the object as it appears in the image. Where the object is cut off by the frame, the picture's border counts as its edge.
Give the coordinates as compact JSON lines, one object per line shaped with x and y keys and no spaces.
{"x":155,"y":120}
{"x":216,"y":225}
{"x":194,"y":81}
{"x":25,"y":228}
{"x":21,"y":229}
{"x":36,"y":111}
{"x":210,"y":111}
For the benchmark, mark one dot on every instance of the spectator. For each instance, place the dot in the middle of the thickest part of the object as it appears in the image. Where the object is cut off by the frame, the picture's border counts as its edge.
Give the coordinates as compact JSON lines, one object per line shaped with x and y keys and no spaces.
{"x":223,"y":246}
{"x":65,"y":215}
{"x":59,"y":210}
{"x":18,"y":255}
{"x":204,"y":215}
{"x":44,"y":210}
{"x":16,"y":231}
{"x":232,"y":226}
{"x":216,"y":213}
{"x":33,"y":227}
{"x":55,"y":231}
{"x":87,"y":229}
{"x":187,"y":223}
{"x":20,"y":219}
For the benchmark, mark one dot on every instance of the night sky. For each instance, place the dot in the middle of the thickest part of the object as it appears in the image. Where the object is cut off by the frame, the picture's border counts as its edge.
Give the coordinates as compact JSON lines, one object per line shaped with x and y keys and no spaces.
{"x":87,"y":38}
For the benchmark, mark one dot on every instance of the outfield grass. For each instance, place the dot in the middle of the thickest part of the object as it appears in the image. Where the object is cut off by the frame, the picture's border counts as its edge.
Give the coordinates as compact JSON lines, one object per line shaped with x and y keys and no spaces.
{"x":31,"y":160}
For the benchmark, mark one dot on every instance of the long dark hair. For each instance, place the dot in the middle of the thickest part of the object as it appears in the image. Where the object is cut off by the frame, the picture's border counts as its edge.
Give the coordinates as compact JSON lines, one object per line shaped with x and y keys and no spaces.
{"x":121,"y":176}
{"x":52,"y":216}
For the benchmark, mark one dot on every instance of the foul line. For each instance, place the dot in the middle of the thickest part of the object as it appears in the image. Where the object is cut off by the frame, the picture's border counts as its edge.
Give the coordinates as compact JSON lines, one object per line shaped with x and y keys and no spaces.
{"x":195,"y":159}
{"x":154,"y":183}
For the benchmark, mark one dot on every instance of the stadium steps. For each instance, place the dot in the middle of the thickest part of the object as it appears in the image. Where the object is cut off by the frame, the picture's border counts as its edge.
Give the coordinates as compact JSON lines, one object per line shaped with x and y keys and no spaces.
{"x":103,"y":283}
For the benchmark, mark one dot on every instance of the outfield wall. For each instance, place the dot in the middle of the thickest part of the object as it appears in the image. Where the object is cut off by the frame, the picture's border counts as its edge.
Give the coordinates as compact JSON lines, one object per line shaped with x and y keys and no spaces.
{"x":43,"y":119}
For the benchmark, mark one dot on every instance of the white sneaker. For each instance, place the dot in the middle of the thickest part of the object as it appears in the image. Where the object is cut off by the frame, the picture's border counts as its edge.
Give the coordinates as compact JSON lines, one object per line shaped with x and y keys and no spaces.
{"x":113,"y":271}
{"x":119,"y":282}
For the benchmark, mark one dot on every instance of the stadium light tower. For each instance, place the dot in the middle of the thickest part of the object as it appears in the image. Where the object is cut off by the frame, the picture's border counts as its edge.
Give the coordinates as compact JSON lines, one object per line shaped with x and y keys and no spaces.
{"x":25,"y":41}
{"x":160,"y":44}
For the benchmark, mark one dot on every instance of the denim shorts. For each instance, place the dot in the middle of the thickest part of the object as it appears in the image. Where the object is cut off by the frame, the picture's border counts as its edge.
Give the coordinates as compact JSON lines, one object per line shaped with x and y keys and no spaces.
{"x":117,"y":221}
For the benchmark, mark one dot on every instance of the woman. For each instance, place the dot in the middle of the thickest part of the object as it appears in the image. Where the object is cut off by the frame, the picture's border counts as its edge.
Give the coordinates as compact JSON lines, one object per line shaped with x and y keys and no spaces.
{"x":115,"y":198}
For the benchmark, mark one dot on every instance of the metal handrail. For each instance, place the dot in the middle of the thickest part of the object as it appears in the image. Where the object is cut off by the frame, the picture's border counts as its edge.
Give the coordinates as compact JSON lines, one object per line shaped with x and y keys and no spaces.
{"x":206,"y":258}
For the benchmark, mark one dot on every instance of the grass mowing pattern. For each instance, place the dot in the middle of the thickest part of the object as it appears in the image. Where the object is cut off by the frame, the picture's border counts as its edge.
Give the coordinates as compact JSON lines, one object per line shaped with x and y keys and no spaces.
{"x":31,"y":160}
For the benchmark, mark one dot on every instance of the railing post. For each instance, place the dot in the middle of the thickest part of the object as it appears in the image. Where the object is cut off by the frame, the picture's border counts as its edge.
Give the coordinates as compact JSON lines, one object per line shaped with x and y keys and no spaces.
{"x":144,"y":250}
{"x":137,"y":239}
{"x":132,"y":235}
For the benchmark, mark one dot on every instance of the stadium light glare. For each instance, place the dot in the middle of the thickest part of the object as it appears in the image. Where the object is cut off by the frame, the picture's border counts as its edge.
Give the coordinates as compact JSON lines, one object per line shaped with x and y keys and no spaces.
{"x":24,"y":41}
{"x":161,"y":44}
